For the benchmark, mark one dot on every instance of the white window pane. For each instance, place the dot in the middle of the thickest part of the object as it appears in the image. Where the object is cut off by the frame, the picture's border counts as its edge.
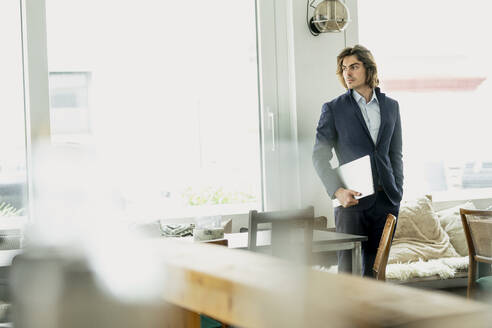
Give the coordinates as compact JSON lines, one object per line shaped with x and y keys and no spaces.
{"x":171,"y":98}
{"x":12,"y":124}
{"x":440,"y":74}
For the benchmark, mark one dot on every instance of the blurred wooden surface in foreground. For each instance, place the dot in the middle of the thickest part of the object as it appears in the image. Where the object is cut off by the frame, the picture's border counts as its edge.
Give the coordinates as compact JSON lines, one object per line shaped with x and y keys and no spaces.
{"x":253,"y":290}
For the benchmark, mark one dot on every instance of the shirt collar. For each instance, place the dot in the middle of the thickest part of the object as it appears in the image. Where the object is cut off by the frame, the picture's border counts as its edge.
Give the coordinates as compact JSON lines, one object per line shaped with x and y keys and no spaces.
{"x":357,"y":96}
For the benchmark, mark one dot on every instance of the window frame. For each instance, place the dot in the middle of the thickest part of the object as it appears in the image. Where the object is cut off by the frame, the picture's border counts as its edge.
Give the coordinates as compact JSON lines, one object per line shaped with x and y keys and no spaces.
{"x":35,"y":84}
{"x":278,"y":130}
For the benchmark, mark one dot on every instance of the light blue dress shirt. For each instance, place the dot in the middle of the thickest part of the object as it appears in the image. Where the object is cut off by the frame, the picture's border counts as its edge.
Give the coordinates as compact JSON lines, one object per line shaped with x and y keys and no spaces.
{"x":370,"y":112}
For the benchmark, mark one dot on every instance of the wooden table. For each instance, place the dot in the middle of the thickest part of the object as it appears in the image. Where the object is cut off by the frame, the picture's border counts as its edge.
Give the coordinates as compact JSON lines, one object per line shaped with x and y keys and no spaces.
{"x":252,"y":290}
{"x":323,"y":241}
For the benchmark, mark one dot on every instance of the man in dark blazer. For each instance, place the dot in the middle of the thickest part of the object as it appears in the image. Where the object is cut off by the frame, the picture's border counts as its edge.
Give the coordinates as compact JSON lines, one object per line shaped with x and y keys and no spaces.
{"x":362,"y":121}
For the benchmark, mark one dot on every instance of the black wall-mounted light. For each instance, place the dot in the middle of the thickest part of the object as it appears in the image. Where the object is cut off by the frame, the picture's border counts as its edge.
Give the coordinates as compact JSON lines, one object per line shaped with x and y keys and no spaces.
{"x":328,"y":16}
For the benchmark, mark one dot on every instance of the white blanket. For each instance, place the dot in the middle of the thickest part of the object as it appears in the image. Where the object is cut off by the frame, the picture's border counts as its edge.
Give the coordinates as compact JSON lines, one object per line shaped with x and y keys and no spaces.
{"x":444,"y":268}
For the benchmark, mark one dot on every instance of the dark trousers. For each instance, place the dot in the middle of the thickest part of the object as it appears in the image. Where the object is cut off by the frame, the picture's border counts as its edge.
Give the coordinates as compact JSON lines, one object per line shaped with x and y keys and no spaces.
{"x":370,"y":223}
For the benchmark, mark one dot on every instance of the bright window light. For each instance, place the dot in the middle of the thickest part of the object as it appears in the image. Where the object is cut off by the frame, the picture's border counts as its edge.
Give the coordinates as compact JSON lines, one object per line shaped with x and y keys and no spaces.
{"x":169,"y":101}
{"x":438,"y":71}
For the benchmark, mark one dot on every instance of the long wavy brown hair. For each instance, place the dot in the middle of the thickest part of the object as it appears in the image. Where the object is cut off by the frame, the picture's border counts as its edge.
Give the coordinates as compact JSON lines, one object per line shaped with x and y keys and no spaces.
{"x":365,"y":56}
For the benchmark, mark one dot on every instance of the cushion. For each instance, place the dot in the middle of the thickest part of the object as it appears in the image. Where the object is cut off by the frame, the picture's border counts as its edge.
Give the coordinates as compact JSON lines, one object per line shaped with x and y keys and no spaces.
{"x":419,"y":234}
{"x":450,"y":220}
{"x":485,"y":283}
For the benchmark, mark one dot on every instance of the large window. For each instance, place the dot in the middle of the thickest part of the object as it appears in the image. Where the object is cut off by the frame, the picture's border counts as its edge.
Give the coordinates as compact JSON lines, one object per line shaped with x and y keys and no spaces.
{"x":434,"y":62}
{"x":13,"y":190}
{"x":167,"y":94}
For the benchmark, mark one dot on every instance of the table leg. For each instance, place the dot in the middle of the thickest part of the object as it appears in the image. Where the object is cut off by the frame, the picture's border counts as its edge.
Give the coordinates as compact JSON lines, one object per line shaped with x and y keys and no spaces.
{"x":357,"y":259}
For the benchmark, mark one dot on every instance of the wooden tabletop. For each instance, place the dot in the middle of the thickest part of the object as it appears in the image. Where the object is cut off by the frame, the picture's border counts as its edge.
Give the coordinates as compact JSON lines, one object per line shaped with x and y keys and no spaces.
{"x":253,"y":290}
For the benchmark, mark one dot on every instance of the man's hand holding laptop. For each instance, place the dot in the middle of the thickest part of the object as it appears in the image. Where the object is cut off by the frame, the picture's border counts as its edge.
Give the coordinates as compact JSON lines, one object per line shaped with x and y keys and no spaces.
{"x":346,"y":197}
{"x":355,"y":175}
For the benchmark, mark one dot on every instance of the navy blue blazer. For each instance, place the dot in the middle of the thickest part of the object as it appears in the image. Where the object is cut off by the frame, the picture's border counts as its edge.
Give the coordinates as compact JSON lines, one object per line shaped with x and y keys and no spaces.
{"x":342,"y":127}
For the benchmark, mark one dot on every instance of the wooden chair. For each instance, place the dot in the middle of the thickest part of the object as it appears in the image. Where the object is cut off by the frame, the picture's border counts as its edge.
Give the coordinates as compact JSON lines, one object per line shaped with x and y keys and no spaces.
{"x":379,"y":267}
{"x":477,"y":225}
{"x":282,"y":224}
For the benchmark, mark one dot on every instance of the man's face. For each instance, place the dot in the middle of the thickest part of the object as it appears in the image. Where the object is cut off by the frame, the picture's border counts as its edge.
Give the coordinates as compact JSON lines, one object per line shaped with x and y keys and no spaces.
{"x":354,"y":72}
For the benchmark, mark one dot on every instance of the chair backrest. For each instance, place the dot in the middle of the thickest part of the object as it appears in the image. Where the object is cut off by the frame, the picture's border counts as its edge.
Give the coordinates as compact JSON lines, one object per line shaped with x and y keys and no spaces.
{"x":282,"y":224}
{"x":477,"y":225}
{"x":379,"y":267}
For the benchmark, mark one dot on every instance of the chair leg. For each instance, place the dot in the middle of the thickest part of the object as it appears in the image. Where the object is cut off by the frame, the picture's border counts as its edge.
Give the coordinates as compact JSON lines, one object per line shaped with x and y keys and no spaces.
{"x":472,"y":277}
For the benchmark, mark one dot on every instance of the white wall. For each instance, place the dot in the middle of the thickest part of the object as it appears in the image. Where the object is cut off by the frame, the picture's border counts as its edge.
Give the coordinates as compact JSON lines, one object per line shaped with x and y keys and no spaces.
{"x":315,"y":84}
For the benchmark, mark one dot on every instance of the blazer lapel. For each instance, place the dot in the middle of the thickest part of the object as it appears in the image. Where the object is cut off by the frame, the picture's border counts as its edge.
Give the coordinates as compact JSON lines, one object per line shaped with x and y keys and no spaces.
{"x":356,"y":109}
{"x":383,"y":112}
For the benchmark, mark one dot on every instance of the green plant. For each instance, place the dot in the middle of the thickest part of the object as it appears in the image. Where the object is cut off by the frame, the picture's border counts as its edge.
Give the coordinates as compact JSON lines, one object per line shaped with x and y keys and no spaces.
{"x":215,"y":196}
{"x":9,"y":210}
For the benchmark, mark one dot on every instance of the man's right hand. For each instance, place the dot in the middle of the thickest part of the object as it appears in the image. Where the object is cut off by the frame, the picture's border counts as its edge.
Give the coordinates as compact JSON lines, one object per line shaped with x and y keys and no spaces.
{"x":346,"y":197}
